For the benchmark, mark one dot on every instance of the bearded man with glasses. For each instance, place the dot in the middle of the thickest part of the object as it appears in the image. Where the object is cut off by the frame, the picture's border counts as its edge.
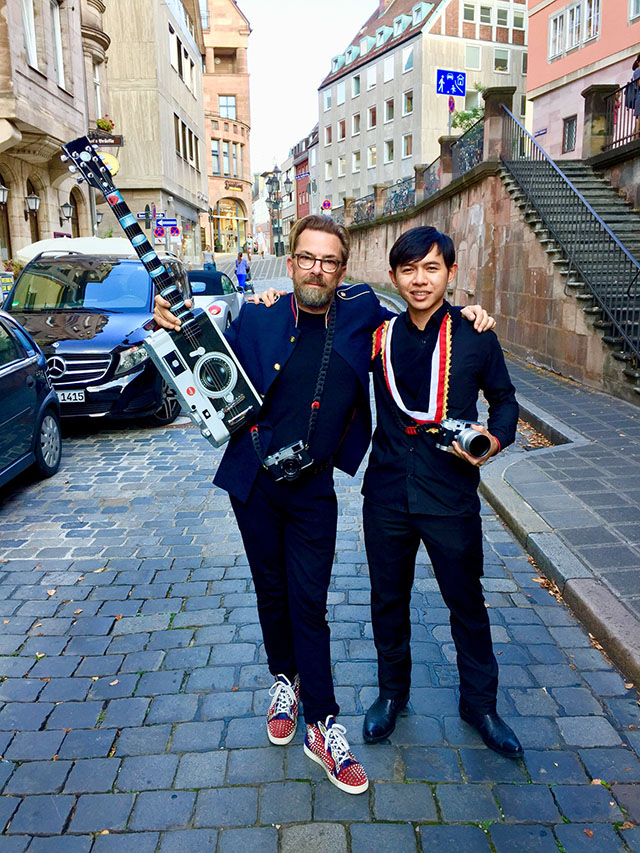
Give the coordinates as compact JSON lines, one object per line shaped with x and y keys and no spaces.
{"x":309,"y":357}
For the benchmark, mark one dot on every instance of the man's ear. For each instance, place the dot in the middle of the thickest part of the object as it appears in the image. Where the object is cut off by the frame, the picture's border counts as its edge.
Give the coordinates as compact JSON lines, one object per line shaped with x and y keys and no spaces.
{"x":453,"y":271}
{"x":392,"y":276}
{"x":290,"y":267}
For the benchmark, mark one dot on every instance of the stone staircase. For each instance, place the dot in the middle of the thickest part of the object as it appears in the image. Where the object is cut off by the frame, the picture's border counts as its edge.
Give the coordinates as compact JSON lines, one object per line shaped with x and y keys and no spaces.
{"x":624,"y":222}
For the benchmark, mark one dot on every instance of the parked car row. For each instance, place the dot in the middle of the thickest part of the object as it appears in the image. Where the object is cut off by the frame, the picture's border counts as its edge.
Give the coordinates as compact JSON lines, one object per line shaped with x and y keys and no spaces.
{"x":71,"y":345}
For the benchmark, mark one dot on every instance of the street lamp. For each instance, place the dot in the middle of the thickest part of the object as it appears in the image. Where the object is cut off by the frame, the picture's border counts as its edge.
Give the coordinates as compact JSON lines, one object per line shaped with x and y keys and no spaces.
{"x":99,"y":215}
{"x":66,"y":212}
{"x":33,"y":203}
{"x":4,"y":194}
{"x":274,"y":203}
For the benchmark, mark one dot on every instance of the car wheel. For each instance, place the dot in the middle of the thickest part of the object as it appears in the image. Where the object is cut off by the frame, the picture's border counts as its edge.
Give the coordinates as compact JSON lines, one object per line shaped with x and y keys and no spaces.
{"x":48,"y":447}
{"x":169,"y":409}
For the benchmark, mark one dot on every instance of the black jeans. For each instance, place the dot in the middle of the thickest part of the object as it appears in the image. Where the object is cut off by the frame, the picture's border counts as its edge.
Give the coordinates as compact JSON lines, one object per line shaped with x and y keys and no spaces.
{"x":289,"y":534}
{"x":454,"y":545}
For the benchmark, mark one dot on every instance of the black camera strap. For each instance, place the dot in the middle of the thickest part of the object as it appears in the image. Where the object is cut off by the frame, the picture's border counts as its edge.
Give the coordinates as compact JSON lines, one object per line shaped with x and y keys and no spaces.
{"x":317,"y":397}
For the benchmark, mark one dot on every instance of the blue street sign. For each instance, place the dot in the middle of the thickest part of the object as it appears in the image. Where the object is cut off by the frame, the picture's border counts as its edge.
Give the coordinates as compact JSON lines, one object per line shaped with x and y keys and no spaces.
{"x":167,"y":223}
{"x":450,"y":82}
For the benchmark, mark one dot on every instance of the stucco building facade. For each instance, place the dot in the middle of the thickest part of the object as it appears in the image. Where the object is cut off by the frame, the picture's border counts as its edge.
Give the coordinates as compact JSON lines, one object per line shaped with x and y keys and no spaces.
{"x":52,"y":88}
{"x":227,"y":125}
{"x":380,"y":112}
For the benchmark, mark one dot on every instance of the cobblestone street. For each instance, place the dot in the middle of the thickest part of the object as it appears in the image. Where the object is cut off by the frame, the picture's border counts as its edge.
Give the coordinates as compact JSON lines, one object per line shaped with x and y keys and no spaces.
{"x":134,"y":686}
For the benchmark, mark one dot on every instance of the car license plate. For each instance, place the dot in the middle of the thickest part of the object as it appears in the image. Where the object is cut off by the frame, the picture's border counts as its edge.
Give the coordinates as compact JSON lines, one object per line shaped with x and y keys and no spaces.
{"x":71,"y":396}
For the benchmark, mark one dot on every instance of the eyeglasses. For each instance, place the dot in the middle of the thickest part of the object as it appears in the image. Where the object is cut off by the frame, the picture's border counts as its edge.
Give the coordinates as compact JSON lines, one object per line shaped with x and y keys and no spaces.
{"x":307,"y":262}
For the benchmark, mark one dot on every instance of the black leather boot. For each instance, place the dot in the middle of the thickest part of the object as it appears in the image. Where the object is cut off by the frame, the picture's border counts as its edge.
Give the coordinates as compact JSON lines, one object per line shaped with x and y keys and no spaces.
{"x":380,"y":719}
{"x":494,"y":732}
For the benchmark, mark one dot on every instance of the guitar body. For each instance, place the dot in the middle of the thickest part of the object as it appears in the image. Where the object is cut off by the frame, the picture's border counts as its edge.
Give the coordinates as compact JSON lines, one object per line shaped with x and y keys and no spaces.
{"x":196,"y":362}
{"x":210,"y":383}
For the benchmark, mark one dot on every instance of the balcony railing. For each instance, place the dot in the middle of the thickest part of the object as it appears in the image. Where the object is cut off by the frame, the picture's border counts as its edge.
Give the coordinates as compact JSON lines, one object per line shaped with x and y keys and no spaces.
{"x":400,"y":196}
{"x":432,"y":178}
{"x":337,"y":214}
{"x":466,"y":152}
{"x":622,"y":115}
{"x":364,"y":209}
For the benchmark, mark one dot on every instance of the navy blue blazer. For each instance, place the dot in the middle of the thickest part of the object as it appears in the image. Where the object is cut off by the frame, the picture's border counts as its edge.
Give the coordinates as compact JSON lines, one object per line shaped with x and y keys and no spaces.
{"x":264,"y":338}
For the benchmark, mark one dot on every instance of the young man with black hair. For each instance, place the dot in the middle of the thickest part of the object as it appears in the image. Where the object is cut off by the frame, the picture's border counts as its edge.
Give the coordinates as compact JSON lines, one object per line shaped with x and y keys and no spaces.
{"x":428,"y":365}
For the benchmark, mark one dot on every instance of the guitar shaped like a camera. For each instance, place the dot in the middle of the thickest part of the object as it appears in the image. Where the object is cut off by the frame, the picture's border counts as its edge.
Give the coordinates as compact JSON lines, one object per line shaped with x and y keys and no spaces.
{"x":196,"y":362}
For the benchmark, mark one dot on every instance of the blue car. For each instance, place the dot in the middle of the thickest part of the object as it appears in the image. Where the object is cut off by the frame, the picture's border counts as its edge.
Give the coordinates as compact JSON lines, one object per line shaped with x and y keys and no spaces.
{"x":30,"y":411}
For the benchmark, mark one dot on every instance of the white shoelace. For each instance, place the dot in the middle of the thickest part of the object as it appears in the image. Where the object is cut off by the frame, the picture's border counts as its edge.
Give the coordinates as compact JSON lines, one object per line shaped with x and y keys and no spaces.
{"x":284,"y":697}
{"x":336,"y":743}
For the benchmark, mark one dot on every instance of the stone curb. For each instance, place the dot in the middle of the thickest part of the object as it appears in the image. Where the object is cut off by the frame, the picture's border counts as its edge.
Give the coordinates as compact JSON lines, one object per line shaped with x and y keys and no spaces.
{"x":601,"y":613}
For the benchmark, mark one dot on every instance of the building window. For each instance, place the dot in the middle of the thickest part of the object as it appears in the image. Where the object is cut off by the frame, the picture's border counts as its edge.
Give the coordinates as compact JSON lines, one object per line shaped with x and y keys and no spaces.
{"x":416,"y":17}
{"x":485,"y":14}
{"x":204,"y":14}
{"x":227,"y":106}
{"x":29,"y":27}
{"x":591,"y":19}
{"x":525,"y":58}
{"x":501,"y":60}
{"x":340,"y":93}
{"x":341,"y":167}
{"x":388,"y":68}
{"x":518,"y":20}
{"x":225,"y":159}
{"x":523,"y":105}
{"x":407,"y":59}
{"x":407,"y":145}
{"x":97,"y":88}
{"x":176,"y":133}
{"x":355,"y":161}
{"x":328,"y":170}
{"x":388,"y":151}
{"x":573,"y":26}
{"x":407,"y":103}
{"x":327,"y":99}
{"x":355,"y":124}
{"x":634,"y":9}
{"x":569,"y":126}
{"x":328,"y":135}
{"x":388,"y":110}
{"x":313,"y":157}
{"x":469,"y":12}
{"x":371,"y":77}
{"x":235,"y":159}
{"x":364,"y":45}
{"x":179,"y":49}
{"x":342,"y":130}
{"x":371,"y":156}
{"x":502,"y":17}
{"x":56,"y":35}
{"x":355,"y":86}
{"x":472,"y":57}
{"x":556,"y":35}
{"x":372,"y":118}
{"x":471,"y":99}
{"x":185,"y":148}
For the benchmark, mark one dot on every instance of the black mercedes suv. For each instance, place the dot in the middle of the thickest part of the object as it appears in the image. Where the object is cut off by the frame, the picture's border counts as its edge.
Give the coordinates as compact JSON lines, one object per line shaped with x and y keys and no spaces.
{"x":90,"y":314}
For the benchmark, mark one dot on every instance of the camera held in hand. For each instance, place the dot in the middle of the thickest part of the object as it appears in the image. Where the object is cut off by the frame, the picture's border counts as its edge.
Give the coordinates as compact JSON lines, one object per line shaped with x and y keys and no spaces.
{"x":476,"y":444}
{"x":288,"y":462}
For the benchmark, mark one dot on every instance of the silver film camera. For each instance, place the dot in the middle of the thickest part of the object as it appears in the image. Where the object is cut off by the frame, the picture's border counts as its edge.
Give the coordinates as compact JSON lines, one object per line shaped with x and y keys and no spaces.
{"x":288,"y":462}
{"x":476,"y":444}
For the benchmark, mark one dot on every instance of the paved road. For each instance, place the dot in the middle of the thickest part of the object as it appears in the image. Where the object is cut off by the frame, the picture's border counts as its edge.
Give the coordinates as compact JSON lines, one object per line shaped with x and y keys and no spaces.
{"x":134,"y":685}
{"x":262,"y":269}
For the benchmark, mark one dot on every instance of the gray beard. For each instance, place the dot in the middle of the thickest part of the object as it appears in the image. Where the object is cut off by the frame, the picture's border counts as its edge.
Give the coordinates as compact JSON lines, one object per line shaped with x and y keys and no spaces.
{"x":312,"y":297}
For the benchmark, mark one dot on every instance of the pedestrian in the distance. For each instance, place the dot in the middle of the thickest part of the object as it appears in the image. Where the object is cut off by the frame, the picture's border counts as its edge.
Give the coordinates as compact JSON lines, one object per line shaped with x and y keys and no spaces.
{"x":208,"y":258}
{"x":242,"y":268}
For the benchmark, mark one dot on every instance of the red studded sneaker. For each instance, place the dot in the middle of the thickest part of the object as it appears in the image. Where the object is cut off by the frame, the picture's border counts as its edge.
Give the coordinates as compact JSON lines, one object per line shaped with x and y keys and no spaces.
{"x":282,"y":718}
{"x":327,"y":745}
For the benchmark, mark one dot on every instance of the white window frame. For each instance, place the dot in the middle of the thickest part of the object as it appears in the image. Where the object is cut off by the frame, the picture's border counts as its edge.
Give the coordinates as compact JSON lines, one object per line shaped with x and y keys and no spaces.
{"x":387,"y":143}
{"x":388,"y":68}
{"x":467,"y":63}
{"x":573,"y":26}
{"x":328,"y":134}
{"x":416,"y":14}
{"x":56,"y":32}
{"x":369,"y":113}
{"x":592,"y":19}
{"x":471,"y":8}
{"x":29,"y":26}
{"x":327,"y":99}
{"x":634,"y":9}
{"x":97,"y":93}
{"x":328,"y":170}
{"x":502,"y":10}
{"x":340,"y":93}
{"x":342,"y":123}
{"x":407,"y":53}
{"x":355,"y":94}
{"x":406,"y":112}
{"x":355,"y":162}
{"x":495,"y":52}
{"x":524,"y":19}
{"x":372,"y":75}
{"x":342,"y":165}
{"x":364,"y":46}
{"x":524,"y":62}
{"x":490,"y":10}
{"x":404,"y":146}
{"x":372,"y":157}
{"x":355,"y":118}
{"x":388,"y":118}
{"x":556,"y":35}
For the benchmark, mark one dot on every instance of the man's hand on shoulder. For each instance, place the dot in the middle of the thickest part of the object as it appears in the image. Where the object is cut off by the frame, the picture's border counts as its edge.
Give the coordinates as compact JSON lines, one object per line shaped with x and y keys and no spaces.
{"x":163,"y":316}
{"x":482,"y":321}
{"x":473,"y":460}
{"x":268,"y":297}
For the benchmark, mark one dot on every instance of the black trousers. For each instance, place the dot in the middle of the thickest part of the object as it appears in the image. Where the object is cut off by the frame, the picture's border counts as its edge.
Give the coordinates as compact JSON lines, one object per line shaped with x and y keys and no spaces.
{"x":289,"y":535}
{"x":454,"y":545}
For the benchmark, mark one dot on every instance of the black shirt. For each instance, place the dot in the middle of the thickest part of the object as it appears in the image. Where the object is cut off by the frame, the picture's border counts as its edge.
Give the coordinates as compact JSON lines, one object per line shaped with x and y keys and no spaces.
{"x":288,"y":403}
{"x":408,"y":472}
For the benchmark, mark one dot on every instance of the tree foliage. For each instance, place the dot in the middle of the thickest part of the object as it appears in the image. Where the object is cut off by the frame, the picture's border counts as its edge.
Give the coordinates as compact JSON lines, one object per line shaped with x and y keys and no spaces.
{"x":464,"y":119}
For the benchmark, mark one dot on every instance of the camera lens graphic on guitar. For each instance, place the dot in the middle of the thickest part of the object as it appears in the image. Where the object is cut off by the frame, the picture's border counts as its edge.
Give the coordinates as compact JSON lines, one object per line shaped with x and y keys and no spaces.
{"x":196,"y":362}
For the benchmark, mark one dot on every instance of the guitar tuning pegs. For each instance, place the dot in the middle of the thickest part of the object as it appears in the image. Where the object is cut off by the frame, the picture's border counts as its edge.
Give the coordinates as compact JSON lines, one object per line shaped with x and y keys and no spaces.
{"x":64,"y":157}
{"x":72,"y":169}
{"x":80,"y":179}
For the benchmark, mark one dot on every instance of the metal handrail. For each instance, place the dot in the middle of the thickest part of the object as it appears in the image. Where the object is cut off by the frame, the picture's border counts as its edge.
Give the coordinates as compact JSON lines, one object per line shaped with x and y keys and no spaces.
{"x":363,"y":210}
{"x":467,"y":150}
{"x":399,"y":196}
{"x":431,"y":178}
{"x":621,"y":122}
{"x":607,"y":268}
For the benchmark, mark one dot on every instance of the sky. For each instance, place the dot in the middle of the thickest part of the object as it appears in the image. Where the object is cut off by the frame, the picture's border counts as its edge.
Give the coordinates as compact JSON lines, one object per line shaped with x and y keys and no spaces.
{"x":290,"y":50}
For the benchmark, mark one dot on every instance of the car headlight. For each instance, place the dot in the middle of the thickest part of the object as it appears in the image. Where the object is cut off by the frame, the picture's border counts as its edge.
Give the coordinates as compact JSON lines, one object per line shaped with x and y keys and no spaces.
{"x":131,"y":358}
